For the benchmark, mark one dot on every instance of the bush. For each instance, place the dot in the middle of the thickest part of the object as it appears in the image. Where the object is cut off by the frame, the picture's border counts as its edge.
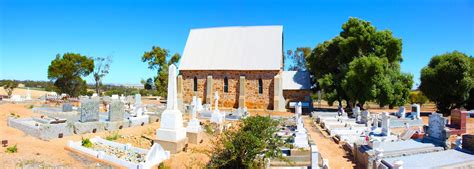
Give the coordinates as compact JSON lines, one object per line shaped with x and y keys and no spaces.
{"x":86,"y":143}
{"x":112,"y":137}
{"x":12,"y":149}
{"x":248,"y":146}
{"x":418,"y":97}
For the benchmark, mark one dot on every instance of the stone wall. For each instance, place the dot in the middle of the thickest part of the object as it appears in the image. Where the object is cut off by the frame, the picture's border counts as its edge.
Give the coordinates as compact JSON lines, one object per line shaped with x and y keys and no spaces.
{"x":253,"y":100}
{"x":297,"y":95}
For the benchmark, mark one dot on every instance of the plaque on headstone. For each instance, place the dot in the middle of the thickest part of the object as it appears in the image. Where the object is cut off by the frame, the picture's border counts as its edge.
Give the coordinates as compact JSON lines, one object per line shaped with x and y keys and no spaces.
{"x":117,"y":109}
{"x":89,"y":110}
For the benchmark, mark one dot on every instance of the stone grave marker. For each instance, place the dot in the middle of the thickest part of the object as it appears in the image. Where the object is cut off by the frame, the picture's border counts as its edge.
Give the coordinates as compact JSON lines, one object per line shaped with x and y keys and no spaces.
{"x":117,"y":110}
{"x":89,"y":110}
{"x":468,"y":142}
{"x":385,"y":124}
{"x":436,"y":131}
{"x":415,"y":111}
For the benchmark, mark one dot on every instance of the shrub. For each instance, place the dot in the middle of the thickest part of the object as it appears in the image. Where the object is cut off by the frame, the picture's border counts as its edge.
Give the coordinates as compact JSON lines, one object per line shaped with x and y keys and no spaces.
{"x":11,"y":149}
{"x":112,"y":137}
{"x":248,"y":146}
{"x":86,"y":143}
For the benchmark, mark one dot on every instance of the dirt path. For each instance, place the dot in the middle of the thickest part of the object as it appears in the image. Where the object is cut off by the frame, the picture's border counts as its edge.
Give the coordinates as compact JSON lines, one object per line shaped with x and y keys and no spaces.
{"x":336,"y":155}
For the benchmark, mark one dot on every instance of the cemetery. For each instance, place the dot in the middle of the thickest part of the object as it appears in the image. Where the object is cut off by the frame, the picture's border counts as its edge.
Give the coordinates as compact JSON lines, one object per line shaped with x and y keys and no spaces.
{"x":237,"y":96}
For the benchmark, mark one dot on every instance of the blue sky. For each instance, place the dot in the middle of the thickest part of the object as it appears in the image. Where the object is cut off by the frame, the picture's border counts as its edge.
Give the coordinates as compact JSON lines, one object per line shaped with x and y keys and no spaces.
{"x":32,"y":32}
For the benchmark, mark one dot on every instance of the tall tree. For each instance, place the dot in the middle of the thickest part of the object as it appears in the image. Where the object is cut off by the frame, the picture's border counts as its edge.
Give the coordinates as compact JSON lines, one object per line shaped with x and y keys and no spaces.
{"x":447,"y":80}
{"x":159,"y":59}
{"x":296,"y":60}
{"x":101,"y":69}
{"x":66,"y":72}
{"x":330,"y":63}
{"x":9,"y":86}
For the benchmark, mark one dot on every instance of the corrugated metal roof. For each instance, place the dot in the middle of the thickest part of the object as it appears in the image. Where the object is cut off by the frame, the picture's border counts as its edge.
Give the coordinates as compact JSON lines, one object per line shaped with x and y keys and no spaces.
{"x":234,"y":48}
{"x":296,"y":80}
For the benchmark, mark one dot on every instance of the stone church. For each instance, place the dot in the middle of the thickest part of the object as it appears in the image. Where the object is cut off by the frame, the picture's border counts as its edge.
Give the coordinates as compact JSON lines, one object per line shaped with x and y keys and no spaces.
{"x":244,"y":65}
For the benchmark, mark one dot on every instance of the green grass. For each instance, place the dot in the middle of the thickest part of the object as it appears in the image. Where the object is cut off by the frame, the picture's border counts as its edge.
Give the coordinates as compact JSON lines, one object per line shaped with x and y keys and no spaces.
{"x":11,"y":149}
{"x":113,"y":136}
{"x":86,"y":143}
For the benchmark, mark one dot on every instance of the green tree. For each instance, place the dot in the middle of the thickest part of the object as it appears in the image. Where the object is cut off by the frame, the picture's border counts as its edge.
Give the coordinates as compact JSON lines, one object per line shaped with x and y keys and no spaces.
{"x":101,"y":69}
{"x":296,"y":60}
{"x":9,"y":86}
{"x":330,"y":62}
{"x":249,"y":146}
{"x":447,"y":80}
{"x":159,"y":59}
{"x":418,"y":97}
{"x":66,"y":72}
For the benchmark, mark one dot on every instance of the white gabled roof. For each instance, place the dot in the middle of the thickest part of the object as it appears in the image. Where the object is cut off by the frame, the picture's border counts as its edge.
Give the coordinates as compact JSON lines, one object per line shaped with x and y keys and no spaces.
{"x":296,"y":80}
{"x":234,"y":48}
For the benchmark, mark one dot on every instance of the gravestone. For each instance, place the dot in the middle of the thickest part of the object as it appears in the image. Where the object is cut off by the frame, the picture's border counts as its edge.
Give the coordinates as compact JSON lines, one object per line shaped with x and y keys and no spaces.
{"x":138,"y":99}
{"x":28,"y":94}
{"x":194,"y":128}
{"x":89,"y":110}
{"x":436,"y":132}
{"x":116,"y":111}
{"x":458,"y":121}
{"x":401,"y":112}
{"x":468,"y":142}
{"x":115,"y":97}
{"x":298,"y":109}
{"x":365,"y":117}
{"x":171,"y":135}
{"x":67,"y":107}
{"x":385,"y":124}
{"x":415,"y":111}
{"x":217,"y":117}
{"x":356,"y":112}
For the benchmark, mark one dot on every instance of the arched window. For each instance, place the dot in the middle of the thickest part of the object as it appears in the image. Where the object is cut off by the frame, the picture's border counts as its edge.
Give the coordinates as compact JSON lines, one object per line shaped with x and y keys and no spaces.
{"x":226,"y":85}
{"x":195,"y":84}
{"x":260,"y":86}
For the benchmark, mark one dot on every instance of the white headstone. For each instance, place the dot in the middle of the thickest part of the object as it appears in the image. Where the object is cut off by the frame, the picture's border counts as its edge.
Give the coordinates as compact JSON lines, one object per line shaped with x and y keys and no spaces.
{"x":16,"y":98}
{"x":298,"y":109}
{"x":216,"y":116}
{"x":194,"y":125}
{"x":199,"y":105}
{"x":156,"y":155}
{"x":375,"y":120}
{"x":138,"y":99}
{"x":436,"y":123}
{"x":93,"y":95}
{"x":301,"y":138}
{"x":171,"y":126}
{"x":385,"y":123}
{"x":401,"y":112}
{"x":115,"y":96}
{"x":415,"y":111}
{"x":28,"y":94}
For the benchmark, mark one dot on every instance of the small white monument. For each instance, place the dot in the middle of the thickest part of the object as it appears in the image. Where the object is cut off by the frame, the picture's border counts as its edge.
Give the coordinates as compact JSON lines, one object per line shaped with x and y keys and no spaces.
{"x":199,"y":105}
{"x":217,"y":117}
{"x":172,"y":135}
{"x":385,"y":124}
{"x":415,"y":111}
{"x":301,"y":138}
{"x":194,"y":127}
{"x":138,"y":99}
{"x":298,"y":110}
{"x":401,"y":112}
{"x":28,"y":94}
